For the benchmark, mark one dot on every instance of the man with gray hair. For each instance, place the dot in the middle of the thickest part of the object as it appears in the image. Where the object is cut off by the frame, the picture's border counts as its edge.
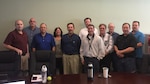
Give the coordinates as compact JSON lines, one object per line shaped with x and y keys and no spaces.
{"x":31,"y":31}
{"x":111,"y":31}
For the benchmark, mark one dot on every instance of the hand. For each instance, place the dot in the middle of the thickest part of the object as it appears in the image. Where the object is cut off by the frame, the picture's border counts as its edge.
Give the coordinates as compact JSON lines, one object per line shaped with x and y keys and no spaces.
{"x":28,"y":55}
{"x":119,"y":54}
{"x":106,"y":53}
{"x":139,"y":44}
{"x":19,"y":51}
{"x":82,"y":61}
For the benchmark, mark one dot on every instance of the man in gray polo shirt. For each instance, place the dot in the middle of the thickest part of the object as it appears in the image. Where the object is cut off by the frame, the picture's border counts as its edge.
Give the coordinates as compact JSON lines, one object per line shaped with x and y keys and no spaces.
{"x":31,"y":30}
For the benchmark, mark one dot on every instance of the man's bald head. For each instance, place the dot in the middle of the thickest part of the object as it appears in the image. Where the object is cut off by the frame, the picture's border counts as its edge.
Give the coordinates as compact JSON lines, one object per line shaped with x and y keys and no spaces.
{"x":19,"y":25}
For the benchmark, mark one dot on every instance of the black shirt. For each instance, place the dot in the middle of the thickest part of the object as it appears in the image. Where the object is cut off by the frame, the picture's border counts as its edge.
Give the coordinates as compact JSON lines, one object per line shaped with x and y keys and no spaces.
{"x":123,"y":42}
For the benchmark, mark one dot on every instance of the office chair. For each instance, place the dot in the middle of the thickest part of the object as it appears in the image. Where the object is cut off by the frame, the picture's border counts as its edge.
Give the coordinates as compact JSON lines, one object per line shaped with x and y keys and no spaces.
{"x":42,"y":57}
{"x":9,"y":63}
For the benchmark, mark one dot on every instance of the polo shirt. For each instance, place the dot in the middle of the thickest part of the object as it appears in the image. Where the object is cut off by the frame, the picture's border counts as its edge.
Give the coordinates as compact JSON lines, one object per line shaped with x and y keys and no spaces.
{"x":43,"y":42}
{"x":31,"y":33}
{"x":70,"y":44}
{"x":114,"y":35}
{"x":123,"y":42}
{"x":17,"y":40}
{"x":140,"y":38}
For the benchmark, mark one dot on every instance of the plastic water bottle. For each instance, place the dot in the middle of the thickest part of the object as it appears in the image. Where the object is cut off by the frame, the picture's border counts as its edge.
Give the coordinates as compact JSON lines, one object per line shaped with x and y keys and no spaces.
{"x":44,"y":73}
{"x":90,"y":71}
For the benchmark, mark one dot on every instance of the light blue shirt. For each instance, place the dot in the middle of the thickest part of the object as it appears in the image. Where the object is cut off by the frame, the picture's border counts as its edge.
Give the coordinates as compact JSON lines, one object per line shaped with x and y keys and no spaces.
{"x":140,"y":38}
{"x":31,"y":33}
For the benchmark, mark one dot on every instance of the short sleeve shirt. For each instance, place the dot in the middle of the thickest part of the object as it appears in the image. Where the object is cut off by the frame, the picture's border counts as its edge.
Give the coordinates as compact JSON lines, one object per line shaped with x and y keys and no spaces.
{"x":17,"y":40}
{"x":123,"y":42}
{"x":43,"y":42}
{"x":31,"y":33}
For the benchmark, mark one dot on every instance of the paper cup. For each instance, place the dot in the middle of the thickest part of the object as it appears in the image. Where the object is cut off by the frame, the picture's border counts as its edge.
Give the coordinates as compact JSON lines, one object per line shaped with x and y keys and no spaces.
{"x":105,"y":72}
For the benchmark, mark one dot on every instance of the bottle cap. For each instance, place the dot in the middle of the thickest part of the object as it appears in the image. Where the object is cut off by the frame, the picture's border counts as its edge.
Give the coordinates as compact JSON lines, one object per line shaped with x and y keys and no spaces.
{"x":44,"y":68}
{"x":90,"y":65}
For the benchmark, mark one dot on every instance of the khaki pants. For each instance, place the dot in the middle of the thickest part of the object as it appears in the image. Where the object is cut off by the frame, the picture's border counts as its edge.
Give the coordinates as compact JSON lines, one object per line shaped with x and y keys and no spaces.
{"x":24,"y":62}
{"x":71,"y":64}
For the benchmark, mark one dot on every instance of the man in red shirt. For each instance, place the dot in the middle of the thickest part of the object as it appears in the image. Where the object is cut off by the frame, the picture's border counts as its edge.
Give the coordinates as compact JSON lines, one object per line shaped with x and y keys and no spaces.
{"x":17,"y":41}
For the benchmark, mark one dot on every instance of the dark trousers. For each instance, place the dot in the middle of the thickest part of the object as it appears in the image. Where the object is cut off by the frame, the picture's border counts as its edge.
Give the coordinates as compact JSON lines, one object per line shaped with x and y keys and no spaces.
{"x":17,"y":62}
{"x":138,"y":64}
{"x":115,"y":59}
{"x":59,"y":65}
{"x":126,"y":65}
{"x":105,"y":62}
{"x":92,"y":60}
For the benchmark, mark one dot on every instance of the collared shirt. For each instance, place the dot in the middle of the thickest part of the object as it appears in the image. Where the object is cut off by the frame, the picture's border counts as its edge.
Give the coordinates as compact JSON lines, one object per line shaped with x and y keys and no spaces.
{"x":123,"y":42}
{"x":92,"y":47}
{"x":17,"y":40}
{"x":31,"y":33}
{"x":70,"y":44}
{"x":84,"y":32}
{"x":108,"y":42}
{"x":43,"y":42}
{"x":140,"y":38}
{"x":114,"y":35}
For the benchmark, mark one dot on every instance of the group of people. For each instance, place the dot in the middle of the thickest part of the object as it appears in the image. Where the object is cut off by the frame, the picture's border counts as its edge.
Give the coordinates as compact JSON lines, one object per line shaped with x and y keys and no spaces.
{"x":74,"y":52}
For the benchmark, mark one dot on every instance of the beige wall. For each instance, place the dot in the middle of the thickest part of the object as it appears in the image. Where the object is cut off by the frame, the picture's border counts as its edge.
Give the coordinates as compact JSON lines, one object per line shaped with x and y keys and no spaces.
{"x":59,"y":12}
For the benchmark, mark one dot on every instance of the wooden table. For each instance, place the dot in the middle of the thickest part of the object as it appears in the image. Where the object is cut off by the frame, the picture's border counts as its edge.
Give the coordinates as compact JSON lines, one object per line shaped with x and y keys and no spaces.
{"x":117,"y":78}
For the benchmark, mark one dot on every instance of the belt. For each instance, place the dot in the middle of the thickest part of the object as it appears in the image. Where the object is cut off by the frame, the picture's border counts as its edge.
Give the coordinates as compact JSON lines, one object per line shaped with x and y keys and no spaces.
{"x":89,"y":57}
{"x":71,"y":54}
{"x":23,"y":54}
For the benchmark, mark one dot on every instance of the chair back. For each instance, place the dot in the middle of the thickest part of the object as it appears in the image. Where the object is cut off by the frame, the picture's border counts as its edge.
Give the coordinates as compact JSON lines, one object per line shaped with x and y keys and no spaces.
{"x":42,"y":57}
{"x":9,"y":63}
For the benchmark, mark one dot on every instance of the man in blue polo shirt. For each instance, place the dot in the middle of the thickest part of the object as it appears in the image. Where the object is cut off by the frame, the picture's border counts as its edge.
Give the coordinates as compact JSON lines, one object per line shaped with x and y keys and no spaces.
{"x":43,"y":40}
{"x":70,"y":45}
{"x":140,"y":41}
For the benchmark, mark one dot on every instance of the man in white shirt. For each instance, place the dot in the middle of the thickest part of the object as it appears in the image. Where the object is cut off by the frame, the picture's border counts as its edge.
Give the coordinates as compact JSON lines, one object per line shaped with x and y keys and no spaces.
{"x":108,"y":42}
{"x":92,"y":49}
{"x":84,"y":31}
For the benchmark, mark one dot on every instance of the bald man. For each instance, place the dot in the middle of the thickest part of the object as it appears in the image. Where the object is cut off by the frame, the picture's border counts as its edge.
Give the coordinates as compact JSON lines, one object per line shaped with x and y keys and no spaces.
{"x":17,"y":41}
{"x":111,"y":28}
{"x":31,"y":31}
